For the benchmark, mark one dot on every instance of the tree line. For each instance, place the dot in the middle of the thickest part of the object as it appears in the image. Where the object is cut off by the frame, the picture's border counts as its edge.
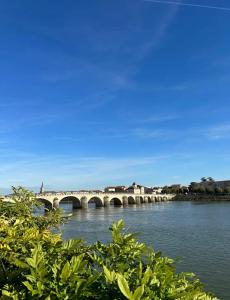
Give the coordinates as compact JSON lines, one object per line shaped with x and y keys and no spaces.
{"x":207,"y":185}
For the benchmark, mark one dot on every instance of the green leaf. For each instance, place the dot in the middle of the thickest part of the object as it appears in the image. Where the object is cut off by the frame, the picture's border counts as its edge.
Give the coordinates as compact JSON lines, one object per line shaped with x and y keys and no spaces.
{"x":123,"y":286}
{"x":138,"y":293}
{"x":31,"y":262}
{"x":29,"y":286}
{"x":66,"y":271}
{"x":77,"y":263}
{"x":20,"y":264}
{"x":110,"y":276}
{"x":6,"y":293}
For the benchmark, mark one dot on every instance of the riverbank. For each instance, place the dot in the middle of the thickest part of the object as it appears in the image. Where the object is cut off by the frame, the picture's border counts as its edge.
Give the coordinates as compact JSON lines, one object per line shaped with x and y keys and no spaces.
{"x":202,"y":197}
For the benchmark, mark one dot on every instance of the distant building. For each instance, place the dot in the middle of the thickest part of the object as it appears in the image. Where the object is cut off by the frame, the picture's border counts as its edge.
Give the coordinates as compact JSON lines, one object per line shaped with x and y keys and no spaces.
{"x":157,"y":190}
{"x":120,"y":188}
{"x":135,"y":189}
{"x":116,"y":189}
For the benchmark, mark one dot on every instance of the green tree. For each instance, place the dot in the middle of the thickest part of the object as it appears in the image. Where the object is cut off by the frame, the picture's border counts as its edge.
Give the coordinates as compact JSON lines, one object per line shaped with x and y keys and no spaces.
{"x":201,"y":189}
{"x":218,"y":190}
{"x":227,"y":190}
{"x":194,"y":187}
{"x":166,"y":190}
{"x":184,"y":190}
{"x":203,"y":179}
{"x":211,"y":179}
{"x":210,"y":190}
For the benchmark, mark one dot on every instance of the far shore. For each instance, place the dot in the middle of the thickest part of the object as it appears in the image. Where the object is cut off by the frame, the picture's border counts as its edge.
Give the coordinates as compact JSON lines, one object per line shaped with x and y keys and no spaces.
{"x":202,"y":197}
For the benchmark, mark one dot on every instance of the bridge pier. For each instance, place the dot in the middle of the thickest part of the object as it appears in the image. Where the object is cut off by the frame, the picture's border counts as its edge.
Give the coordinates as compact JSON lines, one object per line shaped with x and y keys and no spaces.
{"x":138,"y":200}
{"x":146,"y":199}
{"x":55,"y":203}
{"x":106,"y":202}
{"x":125,"y":200}
{"x":84,"y":203}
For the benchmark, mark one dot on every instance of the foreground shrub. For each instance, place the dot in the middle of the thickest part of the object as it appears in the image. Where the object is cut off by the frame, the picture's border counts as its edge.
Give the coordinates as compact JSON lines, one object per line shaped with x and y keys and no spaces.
{"x":37,"y":264}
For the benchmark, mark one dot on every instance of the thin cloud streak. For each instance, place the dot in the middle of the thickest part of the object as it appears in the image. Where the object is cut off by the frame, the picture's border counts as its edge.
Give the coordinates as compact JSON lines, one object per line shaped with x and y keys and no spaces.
{"x":219,"y":132}
{"x":189,"y":4}
{"x":158,"y":35}
{"x":42,"y":120}
{"x":158,"y":119}
{"x":62,"y":171}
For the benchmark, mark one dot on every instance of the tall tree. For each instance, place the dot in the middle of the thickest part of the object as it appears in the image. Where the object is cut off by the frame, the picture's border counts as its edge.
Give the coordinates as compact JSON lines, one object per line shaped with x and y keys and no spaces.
{"x":203,"y":179}
{"x":211,"y":179}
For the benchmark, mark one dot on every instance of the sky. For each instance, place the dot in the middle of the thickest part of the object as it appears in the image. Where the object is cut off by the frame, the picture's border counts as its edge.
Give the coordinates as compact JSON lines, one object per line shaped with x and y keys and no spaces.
{"x":97,"y":93}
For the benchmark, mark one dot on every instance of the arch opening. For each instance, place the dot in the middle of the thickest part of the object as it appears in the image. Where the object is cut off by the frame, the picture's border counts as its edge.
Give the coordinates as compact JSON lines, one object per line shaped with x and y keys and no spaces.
{"x":116,"y":202}
{"x":69,"y":203}
{"x":131,"y":200}
{"x":95,"y":202}
{"x":46,"y":205}
{"x":142,"y":200}
{"x":149,"y":200}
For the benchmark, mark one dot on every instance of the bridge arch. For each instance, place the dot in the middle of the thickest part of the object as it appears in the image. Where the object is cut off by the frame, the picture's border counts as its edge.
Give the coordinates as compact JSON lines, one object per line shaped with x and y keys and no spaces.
{"x":142,"y":199}
{"x":116,"y":201}
{"x":131,"y":200}
{"x":97,"y":200}
{"x":47,"y":204}
{"x":76,"y":203}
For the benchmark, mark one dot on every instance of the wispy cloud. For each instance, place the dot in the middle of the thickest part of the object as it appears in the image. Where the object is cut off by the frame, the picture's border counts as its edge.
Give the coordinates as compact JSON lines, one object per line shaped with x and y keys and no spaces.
{"x":6,"y":103}
{"x":118,"y":51}
{"x":15,"y":124}
{"x":158,"y":118}
{"x":189,"y":4}
{"x":217,"y":132}
{"x":60,"y":172}
{"x":144,"y":133}
{"x":157,"y":35}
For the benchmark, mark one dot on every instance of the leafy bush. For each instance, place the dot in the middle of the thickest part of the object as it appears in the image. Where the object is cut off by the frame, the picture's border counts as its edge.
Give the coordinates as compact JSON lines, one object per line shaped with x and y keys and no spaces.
{"x":37,"y":264}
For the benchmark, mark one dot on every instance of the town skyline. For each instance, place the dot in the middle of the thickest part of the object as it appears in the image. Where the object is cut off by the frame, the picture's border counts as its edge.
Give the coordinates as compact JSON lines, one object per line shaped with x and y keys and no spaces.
{"x":47,"y":188}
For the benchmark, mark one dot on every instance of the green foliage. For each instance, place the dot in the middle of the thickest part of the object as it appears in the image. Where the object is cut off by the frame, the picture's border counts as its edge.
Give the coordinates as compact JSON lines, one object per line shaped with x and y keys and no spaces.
{"x":218,"y":190}
{"x":227,"y":190}
{"x":37,"y":264}
{"x":210,"y":190}
{"x":203,"y":179}
{"x":201,"y":189}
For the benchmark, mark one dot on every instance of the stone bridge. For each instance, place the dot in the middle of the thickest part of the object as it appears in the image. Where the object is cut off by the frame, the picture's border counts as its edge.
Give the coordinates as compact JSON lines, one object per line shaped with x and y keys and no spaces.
{"x":82,"y":199}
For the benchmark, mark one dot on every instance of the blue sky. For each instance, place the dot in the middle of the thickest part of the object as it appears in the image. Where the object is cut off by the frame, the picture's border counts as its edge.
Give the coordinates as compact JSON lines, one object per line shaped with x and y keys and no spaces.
{"x":94,"y":93}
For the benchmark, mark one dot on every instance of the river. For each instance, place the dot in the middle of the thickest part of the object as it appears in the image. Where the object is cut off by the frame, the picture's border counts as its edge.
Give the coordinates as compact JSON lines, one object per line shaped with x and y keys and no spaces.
{"x":196,"y":233}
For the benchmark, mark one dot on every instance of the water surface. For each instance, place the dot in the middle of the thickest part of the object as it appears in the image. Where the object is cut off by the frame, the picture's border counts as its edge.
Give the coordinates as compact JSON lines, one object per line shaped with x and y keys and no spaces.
{"x":197,"y":233}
